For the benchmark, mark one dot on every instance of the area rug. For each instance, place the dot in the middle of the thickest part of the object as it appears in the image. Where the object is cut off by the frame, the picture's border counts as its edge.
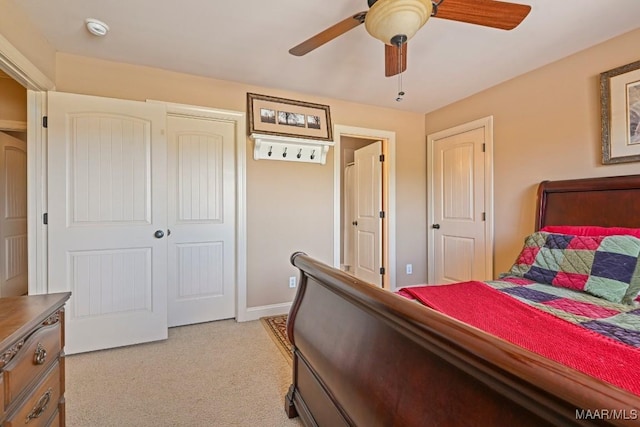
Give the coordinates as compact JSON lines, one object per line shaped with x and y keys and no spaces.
{"x":276,"y":327}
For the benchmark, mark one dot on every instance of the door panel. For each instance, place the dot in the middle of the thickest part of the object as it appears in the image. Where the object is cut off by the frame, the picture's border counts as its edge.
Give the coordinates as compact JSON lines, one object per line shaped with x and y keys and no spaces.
{"x":13,"y":216}
{"x":201,"y":220}
{"x":368,"y":205}
{"x":457,"y":258}
{"x":458,"y":185}
{"x":107,"y":198}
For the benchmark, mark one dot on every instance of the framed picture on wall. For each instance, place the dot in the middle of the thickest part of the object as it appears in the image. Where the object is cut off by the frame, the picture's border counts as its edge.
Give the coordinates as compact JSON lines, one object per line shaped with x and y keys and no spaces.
{"x":620,"y":107}
{"x":269,"y":115}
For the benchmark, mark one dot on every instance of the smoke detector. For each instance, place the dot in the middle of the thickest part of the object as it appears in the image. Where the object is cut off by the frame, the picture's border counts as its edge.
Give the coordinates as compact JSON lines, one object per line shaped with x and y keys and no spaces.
{"x":96,"y":27}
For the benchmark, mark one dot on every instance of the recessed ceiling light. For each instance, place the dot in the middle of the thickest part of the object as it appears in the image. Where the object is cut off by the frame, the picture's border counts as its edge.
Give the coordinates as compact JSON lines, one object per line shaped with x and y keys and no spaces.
{"x":96,"y":27}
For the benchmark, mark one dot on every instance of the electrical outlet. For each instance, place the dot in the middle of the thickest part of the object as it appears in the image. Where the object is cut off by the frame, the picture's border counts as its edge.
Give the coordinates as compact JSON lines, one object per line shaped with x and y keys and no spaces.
{"x":292,"y":281}
{"x":409,"y":269}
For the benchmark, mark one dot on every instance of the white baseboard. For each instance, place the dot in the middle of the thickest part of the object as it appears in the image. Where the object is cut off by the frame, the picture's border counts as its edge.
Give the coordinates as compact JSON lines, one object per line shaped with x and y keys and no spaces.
{"x":255,"y":313}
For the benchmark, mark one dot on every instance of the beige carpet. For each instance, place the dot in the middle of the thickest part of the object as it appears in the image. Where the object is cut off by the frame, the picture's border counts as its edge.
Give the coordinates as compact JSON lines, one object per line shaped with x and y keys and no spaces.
{"x":213,"y":374}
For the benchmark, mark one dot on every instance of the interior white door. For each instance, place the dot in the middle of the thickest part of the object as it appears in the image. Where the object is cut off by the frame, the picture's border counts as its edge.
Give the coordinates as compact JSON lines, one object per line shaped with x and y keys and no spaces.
{"x":368,"y":206}
{"x":107,"y":199}
{"x":348,"y":229}
{"x":459,"y":227}
{"x":13,"y":216}
{"x":201,"y":220}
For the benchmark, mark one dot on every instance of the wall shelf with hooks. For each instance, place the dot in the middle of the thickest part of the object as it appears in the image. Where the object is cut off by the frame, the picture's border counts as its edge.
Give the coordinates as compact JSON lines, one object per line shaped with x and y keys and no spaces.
{"x":270,"y":147}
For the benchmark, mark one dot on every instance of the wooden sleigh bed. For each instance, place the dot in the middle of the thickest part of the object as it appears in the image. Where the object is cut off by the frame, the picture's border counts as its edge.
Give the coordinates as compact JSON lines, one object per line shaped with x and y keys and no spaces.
{"x":367,"y":357}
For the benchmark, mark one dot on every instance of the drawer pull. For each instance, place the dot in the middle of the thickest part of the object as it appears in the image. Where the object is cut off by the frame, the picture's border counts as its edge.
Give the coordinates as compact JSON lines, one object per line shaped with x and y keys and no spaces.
{"x":40,"y":355}
{"x":40,"y":407}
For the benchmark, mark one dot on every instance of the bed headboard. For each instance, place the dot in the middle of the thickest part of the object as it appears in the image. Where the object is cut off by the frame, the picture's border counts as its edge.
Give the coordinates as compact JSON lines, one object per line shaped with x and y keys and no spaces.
{"x":608,"y":202}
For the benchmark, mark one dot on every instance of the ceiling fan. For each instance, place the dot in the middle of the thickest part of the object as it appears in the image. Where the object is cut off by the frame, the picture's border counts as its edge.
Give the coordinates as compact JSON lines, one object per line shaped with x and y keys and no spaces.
{"x":394,"y":22}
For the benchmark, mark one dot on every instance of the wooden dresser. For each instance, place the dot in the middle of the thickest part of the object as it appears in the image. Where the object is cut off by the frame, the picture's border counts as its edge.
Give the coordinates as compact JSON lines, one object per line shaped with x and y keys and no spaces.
{"x":32,"y":360}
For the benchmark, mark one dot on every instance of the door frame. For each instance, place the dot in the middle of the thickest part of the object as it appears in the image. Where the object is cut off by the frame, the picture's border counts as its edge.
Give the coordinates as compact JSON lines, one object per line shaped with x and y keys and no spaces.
{"x":21,"y":69}
{"x":389,"y":183}
{"x":487,"y":124}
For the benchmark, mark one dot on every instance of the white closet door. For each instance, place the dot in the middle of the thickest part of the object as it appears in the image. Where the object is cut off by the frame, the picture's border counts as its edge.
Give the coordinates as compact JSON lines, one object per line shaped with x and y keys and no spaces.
{"x":108,"y":219}
{"x":13,"y":216}
{"x":201,"y":219}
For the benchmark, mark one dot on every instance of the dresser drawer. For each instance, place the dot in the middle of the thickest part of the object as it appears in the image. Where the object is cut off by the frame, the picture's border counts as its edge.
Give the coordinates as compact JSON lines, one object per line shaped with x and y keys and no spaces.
{"x":40,"y":349}
{"x":55,"y":421}
{"x":1,"y":398}
{"x":41,"y":405}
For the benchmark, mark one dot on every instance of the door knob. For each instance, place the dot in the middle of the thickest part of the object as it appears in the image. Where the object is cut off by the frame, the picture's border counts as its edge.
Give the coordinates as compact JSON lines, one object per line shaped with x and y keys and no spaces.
{"x":355,"y":223}
{"x":159,"y":234}
{"x":436,"y":226}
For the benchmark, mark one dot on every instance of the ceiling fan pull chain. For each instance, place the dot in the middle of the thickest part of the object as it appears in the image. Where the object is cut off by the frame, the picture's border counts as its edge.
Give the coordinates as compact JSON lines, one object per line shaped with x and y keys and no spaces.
{"x":434,"y":11}
{"x":400,"y":92}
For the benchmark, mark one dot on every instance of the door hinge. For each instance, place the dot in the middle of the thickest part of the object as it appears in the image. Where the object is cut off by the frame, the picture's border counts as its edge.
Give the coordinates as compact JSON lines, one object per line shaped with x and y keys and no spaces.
{"x":381,"y":270}
{"x":45,"y":218}
{"x":484,"y":216}
{"x":45,"y":121}
{"x":484,"y":147}
{"x":382,"y":157}
{"x":381,"y":214}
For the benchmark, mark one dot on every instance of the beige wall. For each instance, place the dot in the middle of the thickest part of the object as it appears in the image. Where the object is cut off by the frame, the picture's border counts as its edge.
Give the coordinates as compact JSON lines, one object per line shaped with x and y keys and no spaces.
{"x":18,"y":30}
{"x":546,"y":126}
{"x":289,"y":205}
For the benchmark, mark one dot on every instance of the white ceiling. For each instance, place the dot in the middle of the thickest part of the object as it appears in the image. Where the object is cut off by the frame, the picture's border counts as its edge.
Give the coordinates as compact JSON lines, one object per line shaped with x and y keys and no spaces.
{"x":248,"y":41}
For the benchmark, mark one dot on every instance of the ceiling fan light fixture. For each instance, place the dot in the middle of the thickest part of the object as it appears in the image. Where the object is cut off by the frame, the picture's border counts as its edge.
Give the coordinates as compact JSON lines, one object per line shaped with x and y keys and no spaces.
{"x":390,"y":18}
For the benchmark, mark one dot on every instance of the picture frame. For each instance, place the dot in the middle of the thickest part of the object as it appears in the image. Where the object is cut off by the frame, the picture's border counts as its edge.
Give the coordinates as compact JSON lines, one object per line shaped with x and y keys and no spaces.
{"x":269,"y":115}
{"x":620,"y":110}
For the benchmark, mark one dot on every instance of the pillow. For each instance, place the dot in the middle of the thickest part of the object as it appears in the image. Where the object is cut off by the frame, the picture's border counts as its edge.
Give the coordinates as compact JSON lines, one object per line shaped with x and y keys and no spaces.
{"x":633,"y":293}
{"x":591,"y":230}
{"x":604,"y":266}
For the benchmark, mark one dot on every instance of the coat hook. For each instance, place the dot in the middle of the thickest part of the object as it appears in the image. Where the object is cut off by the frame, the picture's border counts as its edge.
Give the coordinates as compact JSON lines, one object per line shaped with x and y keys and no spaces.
{"x":285,"y":152}
{"x":313,"y":154}
{"x":299,"y":153}
{"x":270,"y":151}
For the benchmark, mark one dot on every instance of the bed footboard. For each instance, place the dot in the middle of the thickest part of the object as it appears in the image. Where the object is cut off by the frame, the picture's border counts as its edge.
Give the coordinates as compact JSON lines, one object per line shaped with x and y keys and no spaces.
{"x":367,"y":357}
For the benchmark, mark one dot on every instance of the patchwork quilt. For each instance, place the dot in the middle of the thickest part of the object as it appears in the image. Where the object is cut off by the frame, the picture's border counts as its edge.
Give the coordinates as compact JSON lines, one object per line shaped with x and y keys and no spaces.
{"x":620,"y":322}
{"x":605,"y":266}
{"x":591,"y":281}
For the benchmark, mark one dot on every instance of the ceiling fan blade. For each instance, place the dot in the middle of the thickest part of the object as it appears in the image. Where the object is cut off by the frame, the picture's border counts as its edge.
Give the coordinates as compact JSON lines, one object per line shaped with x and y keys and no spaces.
{"x":328,"y":34}
{"x":391,"y":54}
{"x":489,"y":13}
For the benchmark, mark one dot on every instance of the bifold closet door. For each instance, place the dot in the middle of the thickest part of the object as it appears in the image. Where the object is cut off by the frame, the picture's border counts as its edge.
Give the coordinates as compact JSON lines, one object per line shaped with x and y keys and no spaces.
{"x":107,"y":216}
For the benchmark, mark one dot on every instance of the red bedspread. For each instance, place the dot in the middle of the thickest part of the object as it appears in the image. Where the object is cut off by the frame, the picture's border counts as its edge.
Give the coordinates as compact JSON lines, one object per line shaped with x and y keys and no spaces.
{"x":485,"y":308}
